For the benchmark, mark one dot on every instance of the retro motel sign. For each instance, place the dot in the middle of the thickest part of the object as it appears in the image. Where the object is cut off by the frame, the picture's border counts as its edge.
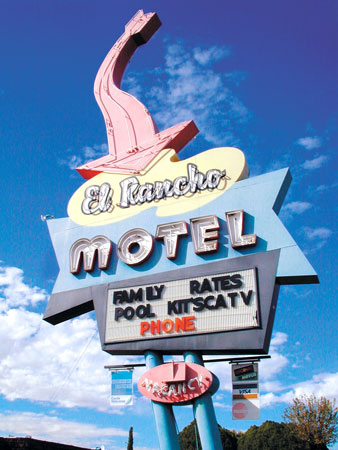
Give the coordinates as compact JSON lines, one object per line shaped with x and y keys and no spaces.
{"x":174,"y":256}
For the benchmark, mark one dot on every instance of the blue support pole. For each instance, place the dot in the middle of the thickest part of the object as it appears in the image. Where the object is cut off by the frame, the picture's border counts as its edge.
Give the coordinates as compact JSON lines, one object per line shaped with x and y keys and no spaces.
{"x":163,"y":413}
{"x":204,"y":412}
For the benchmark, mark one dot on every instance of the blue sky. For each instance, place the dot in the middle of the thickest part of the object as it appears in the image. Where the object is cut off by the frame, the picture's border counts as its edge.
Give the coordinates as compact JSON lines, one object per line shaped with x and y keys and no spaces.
{"x":260,"y":76}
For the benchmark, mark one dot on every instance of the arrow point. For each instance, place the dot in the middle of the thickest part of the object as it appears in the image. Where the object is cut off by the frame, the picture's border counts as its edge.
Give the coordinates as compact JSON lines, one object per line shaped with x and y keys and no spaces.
{"x":138,"y":159}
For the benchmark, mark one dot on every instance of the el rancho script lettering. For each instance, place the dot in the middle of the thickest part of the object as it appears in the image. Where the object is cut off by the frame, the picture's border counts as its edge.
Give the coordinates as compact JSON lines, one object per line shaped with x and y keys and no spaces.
{"x":99,"y":198}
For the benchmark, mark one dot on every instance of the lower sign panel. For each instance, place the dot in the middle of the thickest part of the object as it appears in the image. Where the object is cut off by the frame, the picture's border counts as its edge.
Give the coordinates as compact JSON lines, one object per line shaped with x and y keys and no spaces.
{"x":223,"y":301}
{"x":246,"y":409}
{"x":121,"y":388}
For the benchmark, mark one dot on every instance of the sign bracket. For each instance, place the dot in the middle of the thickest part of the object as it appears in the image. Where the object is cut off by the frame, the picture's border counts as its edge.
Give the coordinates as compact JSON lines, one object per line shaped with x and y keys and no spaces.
{"x":229,"y":360}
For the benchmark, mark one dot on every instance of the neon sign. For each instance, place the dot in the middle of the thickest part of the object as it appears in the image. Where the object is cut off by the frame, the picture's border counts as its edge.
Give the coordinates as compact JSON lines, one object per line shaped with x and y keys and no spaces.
{"x":150,"y":252}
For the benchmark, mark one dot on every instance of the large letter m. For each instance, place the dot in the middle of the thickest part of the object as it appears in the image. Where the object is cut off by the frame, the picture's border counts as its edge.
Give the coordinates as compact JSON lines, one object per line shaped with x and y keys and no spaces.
{"x":86,"y":249}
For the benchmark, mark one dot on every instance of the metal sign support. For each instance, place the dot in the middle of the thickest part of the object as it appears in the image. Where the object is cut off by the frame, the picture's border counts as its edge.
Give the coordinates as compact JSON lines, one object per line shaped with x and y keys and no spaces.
{"x":204,"y":412}
{"x":163,"y":413}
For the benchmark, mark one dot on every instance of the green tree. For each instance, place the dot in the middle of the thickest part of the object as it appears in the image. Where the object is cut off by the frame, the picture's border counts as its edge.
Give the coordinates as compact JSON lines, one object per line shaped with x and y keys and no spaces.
{"x":187,"y":438}
{"x":316,"y":420}
{"x":271,"y":436}
{"x":228,"y":439}
{"x":131,"y":439}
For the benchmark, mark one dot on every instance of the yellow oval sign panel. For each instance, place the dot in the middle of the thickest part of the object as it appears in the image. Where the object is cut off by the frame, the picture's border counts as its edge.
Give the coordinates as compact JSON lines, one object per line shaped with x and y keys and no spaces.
{"x":168,"y":184}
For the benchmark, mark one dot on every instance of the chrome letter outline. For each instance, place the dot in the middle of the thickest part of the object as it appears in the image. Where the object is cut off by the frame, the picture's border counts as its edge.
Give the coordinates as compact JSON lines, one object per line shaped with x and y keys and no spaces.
{"x":87,"y":249}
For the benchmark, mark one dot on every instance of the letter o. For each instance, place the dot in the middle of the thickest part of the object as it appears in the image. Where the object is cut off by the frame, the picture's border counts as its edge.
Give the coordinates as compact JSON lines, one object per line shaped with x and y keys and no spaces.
{"x":130,"y":239}
{"x":141,"y":311}
{"x":164,"y":325}
{"x":129,"y":313}
{"x":213,"y":177}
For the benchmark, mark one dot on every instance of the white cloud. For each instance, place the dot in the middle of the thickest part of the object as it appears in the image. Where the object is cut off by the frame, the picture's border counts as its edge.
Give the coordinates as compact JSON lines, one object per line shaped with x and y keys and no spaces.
{"x":38,"y":362}
{"x":210,"y":55}
{"x":143,"y":448}
{"x":84,"y":155}
{"x":296,"y":207}
{"x":64,"y":365}
{"x":319,"y":236}
{"x":322,"y":188}
{"x":42,"y":363}
{"x":315,"y":163}
{"x":268,"y":368}
{"x":14,"y":292}
{"x":323,"y":384}
{"x":310,"y":142}
{"x":187,"y":88}
{"x":317,"y":233}
{"x":278,"y":339}
{"x":221,"y":405}
{"x":275,"y":386}
{"x":53,"y":428}
{"x":326,"y":187}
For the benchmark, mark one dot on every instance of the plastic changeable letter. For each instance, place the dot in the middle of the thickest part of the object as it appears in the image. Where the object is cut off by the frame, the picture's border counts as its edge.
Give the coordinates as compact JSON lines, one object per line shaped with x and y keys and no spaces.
{"x":235,"y":220}
{"x":170,"y":232}
{"x":135,"y":246}
{"x":204,"y":232}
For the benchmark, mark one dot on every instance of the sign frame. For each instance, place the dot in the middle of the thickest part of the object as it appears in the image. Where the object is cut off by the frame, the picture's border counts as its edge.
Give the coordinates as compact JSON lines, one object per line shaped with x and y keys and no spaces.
{"x":248,"y":341}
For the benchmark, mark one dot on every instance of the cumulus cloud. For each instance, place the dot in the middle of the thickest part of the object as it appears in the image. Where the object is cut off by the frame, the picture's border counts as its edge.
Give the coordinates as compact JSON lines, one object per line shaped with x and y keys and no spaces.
{"x":210,"y":55}
{"x":187,"y":87}
{"x":324,"y":187}
{"x":296,"y":207}
{"x":273,"y":388}
{"x":61,"y":366}
{"x":41,"y":363}
{"x":38,"y":362}
{"x":64,"y":366}
{"x":323,"y":384}
{"x":14,"y":292}
{"x":268,"y":368}
{"x":51,"y":428}
{"x":310,"y":142}
{"x":83,"y":156}
{"x":319,"y":236}
{"x":316,"y":163}
{"x":144,"y":448}
{"x":278,"y":339}
{"x":317,"y":233}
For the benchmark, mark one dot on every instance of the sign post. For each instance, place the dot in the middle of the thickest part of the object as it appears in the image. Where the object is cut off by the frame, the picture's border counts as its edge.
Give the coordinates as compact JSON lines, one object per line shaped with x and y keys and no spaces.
{"x":175,"y":257}
{"x":163,"y":413}
{"x":204,"y":413}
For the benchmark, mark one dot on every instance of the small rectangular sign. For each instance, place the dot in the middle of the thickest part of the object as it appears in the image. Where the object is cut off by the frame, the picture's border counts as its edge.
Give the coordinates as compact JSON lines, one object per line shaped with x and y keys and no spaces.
{"x":203,"y":304}
{"x":244,"y":372}
{"x":245,"y":391}
{"x":121,"y":387}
